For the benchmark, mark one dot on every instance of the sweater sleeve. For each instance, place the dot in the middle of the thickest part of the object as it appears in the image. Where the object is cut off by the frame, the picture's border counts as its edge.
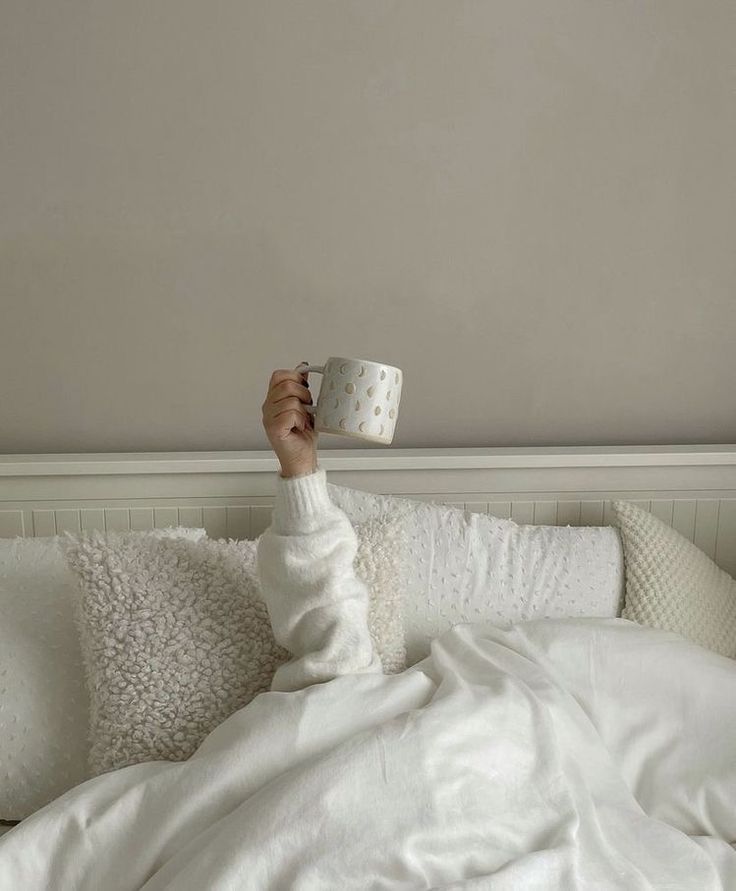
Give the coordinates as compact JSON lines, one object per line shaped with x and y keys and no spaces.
{"x":317,"y":604}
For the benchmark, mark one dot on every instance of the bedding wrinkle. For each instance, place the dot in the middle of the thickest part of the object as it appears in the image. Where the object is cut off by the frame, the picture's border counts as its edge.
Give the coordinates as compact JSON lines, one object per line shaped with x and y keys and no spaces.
{"x":382,"y":755}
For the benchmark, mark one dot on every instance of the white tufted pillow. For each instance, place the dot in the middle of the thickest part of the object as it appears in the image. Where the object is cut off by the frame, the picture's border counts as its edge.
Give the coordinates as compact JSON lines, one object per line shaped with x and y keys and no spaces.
{"x":176,"y":637}
{"x":471,"y":567}
{"x":43,"y":699}
{"x":673,"y":585}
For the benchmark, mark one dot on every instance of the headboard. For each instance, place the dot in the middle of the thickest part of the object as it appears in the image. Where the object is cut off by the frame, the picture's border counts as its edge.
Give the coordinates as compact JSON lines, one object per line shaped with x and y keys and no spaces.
{"x":692,"y":488}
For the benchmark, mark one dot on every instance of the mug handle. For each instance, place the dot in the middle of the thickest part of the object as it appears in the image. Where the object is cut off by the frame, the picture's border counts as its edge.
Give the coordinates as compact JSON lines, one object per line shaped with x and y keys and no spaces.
{"x":320,"y":369}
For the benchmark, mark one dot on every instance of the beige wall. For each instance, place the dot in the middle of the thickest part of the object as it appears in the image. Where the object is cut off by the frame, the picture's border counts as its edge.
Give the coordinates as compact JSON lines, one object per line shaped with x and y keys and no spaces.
{"x":528,"y":206}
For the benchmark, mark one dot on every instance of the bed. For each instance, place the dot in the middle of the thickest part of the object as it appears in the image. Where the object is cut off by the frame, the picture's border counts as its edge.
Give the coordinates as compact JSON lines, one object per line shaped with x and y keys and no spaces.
{"x":689,"y":488}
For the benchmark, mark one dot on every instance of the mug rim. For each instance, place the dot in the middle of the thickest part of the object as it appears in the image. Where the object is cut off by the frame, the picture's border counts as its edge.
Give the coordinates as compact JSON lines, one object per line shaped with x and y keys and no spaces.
{"x":367,"y":361}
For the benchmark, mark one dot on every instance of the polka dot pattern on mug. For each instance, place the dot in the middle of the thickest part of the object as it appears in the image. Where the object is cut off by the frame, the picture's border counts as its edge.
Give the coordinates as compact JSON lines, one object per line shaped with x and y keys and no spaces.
{"x":361,"y":398}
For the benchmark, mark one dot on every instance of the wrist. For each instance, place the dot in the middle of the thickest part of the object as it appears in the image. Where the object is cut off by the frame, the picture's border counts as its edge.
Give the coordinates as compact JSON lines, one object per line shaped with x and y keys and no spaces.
{"x":289,"y":470}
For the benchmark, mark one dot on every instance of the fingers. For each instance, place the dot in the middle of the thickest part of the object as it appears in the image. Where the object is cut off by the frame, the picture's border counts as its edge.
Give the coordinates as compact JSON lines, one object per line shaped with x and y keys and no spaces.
{"x":281,"y":416}
{"x":289,"y":388}
{"x":286,"y":374}
{"x":283,"y":409}
{"x":285,"y":381}
{"x":285,"y":422}
{"x":291,"y":403}
{"x":272,"y":411}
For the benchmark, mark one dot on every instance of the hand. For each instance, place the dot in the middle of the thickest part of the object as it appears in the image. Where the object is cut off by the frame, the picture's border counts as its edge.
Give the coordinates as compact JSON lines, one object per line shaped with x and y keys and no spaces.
{"x":288,"y":425}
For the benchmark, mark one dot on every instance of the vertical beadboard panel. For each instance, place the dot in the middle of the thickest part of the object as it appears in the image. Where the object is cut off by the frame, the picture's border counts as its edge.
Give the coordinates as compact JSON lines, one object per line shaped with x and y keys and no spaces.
{"x":545,"y":513}
{"x":92,"y":518}
{"x":609,"y":514}
{"x":238,"y":522}
{"x":706,"y":525}
{"x":591,"y":513}
{"x":165,"y":516}
{"x":662,"y":509}
{"x":500,"y":509}
{"x":710,"y":523}
{"x":683,"y":518}
{"x":726,"y":538}
{"x":191,"y":517}
{"x":260,"y":519}
{"x":117,"y":519}
{"x":214,"y":520}
{"x":568,"y":513}
{"x":11,"y":523}
{"x":44,"y":523}
{"x":141,"y":519}
{"x":522,"y":512}
{"x":68,"y":520}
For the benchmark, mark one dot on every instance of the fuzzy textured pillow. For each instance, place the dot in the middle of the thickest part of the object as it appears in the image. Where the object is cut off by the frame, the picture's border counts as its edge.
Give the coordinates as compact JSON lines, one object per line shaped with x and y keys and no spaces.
{"x":174,"y":640}
{"x":671,"y":584}
{"x":380,"y":563}
{"x":175,"y":636}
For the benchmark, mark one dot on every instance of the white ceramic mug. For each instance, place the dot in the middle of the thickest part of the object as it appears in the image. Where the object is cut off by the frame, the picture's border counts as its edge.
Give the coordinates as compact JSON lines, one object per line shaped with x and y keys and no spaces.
{"x":357,"y":398}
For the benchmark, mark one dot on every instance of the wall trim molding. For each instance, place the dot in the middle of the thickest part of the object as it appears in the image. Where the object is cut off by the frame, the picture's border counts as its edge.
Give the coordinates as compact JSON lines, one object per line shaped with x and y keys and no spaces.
{"x":370,"y":459}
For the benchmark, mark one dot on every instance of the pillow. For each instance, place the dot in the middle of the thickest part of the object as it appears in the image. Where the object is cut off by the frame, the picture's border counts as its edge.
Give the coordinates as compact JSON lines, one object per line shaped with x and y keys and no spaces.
{"x":673,"y":585}
{"x":379,"y":563}
{"x":174,"y":640}
{"x":175,"y":635}
{"x":43,"y":700}
{"x":471,"y":567}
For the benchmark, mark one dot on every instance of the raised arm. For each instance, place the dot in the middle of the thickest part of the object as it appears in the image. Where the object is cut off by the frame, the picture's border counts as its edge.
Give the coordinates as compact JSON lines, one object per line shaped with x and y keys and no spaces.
{"x":317,"y":604}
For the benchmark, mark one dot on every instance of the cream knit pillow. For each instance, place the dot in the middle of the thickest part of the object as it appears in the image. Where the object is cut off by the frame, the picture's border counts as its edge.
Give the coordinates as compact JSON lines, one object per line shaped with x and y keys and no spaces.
{"x":671,"y":584}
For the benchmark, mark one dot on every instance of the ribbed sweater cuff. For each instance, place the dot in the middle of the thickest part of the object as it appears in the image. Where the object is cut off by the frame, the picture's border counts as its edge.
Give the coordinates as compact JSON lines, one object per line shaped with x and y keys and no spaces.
{"x":300,"y":498}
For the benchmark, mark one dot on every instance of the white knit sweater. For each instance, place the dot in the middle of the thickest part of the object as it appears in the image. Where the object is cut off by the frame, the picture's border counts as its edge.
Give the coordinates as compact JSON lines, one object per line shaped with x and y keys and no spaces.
{"x":317,"y":604}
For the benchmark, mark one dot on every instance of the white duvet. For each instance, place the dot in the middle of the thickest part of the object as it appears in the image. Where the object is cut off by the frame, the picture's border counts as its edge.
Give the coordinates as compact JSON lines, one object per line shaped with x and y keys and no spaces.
{"x":567,"y":753}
